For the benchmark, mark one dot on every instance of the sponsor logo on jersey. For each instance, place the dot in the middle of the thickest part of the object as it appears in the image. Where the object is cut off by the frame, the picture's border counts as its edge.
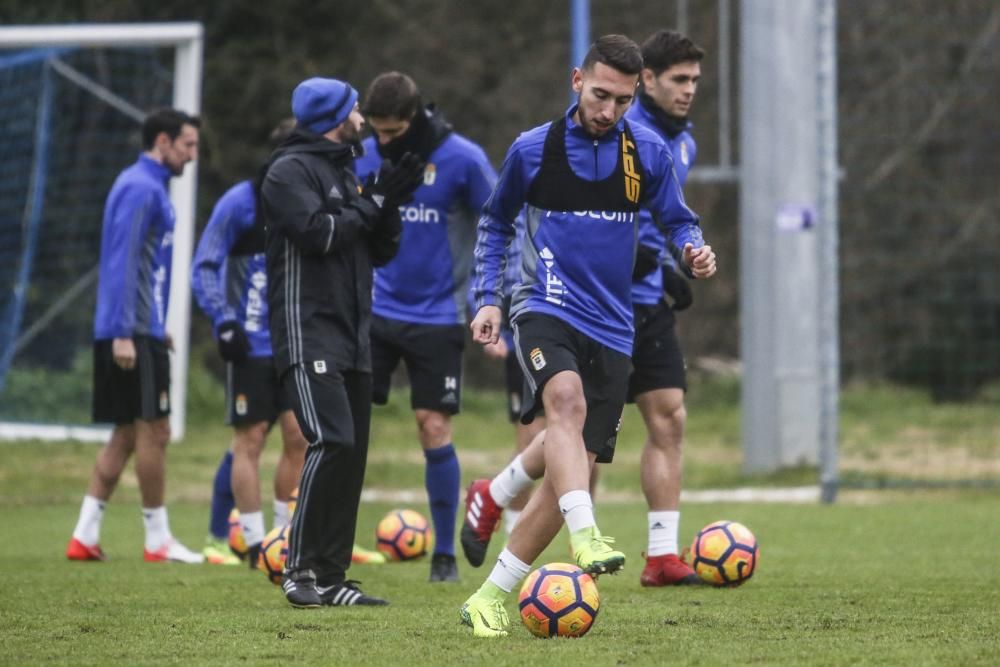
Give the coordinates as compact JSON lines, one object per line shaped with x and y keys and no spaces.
{"x":319,"y":366}
{"x":430,"y":174}
{"x":420,"y":213}
{"x":537,"y":359}
{"x":241,"y":404}
{"x":632,"y":185}
{"x":255,"y":302}
{"x":610,"y":216}
{"x":555,"y":290}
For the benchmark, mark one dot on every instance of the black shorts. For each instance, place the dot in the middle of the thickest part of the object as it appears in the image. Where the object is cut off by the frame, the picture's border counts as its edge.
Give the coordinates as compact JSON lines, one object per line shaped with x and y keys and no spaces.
{"x":120,"y":396}
{"x":515,"y":385}
{"x":253,"y":394}
{"x":657,"y":360}
{"x":545,"y":346}
{"x":433,"y":357}
{"x":327,"y":406}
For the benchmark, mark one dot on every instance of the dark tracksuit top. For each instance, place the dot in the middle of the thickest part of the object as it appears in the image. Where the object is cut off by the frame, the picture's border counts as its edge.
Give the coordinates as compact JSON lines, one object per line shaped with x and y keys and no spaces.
{"x":648,"y":290}
{"x":229,"y":273}
{"x":137,"y":238}
{"x":319,"y":257}
{"x":576,"y":265}
{"x":427,"y":282}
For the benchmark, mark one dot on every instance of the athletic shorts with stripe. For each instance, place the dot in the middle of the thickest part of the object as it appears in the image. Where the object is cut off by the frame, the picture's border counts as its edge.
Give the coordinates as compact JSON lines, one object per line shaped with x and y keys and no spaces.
{"x":122,"y":396}
{"x":545,"y":346}
{"x":657,"y":359}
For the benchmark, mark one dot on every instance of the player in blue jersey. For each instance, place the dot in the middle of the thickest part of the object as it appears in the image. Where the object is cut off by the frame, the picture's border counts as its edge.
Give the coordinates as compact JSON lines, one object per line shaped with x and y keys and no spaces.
{"x":670,"y":75}
{"x":229,"y":281}
{"x":131,"y":344}
{"x":670,"y":78}
{"x":584,"y":178}
{"x":420,"y":296}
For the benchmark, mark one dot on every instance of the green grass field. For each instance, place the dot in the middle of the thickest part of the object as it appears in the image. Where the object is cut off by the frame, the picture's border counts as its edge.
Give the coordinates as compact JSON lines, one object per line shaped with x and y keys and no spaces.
{"x":879,"y":578}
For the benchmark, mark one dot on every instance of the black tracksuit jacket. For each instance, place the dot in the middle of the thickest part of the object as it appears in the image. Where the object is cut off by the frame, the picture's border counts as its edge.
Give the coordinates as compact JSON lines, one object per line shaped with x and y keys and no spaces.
{"x":323,"y":238}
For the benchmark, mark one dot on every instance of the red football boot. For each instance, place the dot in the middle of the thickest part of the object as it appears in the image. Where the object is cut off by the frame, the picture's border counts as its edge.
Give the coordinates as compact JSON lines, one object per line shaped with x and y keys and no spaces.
{"x":77,"y":550}
{"x":482,"y":518}
{"x":668,"y":570}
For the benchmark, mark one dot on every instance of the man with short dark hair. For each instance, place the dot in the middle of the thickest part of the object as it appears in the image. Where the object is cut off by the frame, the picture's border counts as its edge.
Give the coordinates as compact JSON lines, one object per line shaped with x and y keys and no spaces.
{"x":131,"y":344}
{"x":584,"y":178}
{"x":420,"y":296}
{"x":670,"y":74}
{"x":324,"y":235}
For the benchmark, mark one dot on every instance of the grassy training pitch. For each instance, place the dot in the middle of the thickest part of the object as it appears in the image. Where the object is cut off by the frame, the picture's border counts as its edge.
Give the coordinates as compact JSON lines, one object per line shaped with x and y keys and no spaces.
{"x":879,"y":578}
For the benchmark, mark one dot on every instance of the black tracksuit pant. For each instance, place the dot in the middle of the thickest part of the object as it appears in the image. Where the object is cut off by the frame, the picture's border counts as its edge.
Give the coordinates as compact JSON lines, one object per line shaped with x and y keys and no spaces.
{"x":334,"y":412}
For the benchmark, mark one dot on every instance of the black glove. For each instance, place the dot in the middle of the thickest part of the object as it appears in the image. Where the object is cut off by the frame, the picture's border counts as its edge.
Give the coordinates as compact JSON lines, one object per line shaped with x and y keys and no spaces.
{"x":677,"y":288}
{"x":646,"y":260}
{"x":395,"y":183}
{"x":233,"y":342}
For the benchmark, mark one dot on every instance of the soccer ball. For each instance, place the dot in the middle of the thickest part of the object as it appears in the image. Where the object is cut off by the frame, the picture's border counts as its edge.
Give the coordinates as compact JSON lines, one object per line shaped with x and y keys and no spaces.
{"x":559,"y":600}
{"x":237,"y":543}
{"x":404,"y":535}
{"x":273,"y":551}
{"x":724,"y":553}
{"x":293,"y":501}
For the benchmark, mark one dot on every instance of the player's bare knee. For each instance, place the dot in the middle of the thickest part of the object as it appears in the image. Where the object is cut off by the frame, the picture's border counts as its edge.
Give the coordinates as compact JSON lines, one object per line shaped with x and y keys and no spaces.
{"x":564,"y":402}
{"x":435,"y":428}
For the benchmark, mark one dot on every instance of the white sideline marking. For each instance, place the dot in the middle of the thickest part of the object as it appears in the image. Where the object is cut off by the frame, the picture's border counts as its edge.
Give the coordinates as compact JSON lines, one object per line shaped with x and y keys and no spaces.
{"x":792,"y":495}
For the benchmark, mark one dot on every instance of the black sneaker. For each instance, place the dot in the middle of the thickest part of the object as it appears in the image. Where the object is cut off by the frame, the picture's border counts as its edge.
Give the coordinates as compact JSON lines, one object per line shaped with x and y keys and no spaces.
{"x":300,"y":589}
{"x":253,"y":555}
{"x":346,"y":594}
{"x":443,"y":568}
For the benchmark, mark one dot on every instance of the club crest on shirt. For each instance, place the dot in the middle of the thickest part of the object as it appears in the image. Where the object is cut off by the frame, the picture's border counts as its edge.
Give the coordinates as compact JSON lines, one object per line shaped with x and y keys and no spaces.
{"x":319,"y":366}
{"x":430,"y":174}
{"x":537,"y":359}
{"x":241,"y":404}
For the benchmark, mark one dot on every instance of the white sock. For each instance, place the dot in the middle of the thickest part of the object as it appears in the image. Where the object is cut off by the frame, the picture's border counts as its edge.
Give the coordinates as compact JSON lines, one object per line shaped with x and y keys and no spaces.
{"x":281,"y":517}
{"x":88,"y":526}
{"x":510,"y":482}
{"x":662,"y":533}
{"x":578,"y":510}
{"x":157,"y":527}
{"x":508,"y":571}
{"x":510,"y":518}
{"x":252,"y":524}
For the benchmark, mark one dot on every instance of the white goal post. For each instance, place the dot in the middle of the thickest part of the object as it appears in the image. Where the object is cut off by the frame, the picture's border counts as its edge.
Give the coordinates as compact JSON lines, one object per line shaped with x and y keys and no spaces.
{"x":187,"y":41}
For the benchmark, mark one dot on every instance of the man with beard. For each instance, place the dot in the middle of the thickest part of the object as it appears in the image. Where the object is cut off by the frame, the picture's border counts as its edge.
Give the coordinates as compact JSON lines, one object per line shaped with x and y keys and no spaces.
{"x":324,"y":233}
{"x":584,"y":178}
{"x":420,"y":296}
{"x":131,"y":344}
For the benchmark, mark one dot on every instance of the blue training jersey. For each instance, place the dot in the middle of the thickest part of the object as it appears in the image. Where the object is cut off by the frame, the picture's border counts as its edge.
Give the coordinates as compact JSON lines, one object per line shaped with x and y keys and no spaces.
{"x":229,"y":273}
{"x":137,"y":238}
{"x":577,"y":265}
{"x":648,"y":290}
{"x":427,"y":281}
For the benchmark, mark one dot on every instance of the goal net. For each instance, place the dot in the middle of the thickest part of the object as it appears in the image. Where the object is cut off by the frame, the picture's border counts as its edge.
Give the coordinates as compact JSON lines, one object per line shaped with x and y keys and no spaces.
{"x":72,"y":101}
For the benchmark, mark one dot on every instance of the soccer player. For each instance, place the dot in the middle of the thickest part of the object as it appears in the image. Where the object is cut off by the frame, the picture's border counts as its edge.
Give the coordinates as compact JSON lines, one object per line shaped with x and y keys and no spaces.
{"x":584,"y":178}
{"x":324,"y":233}
{"x":131,"y":345}
{"x":670,"y":74}
{"x":229,"y":281}
{"x":420,"y":296}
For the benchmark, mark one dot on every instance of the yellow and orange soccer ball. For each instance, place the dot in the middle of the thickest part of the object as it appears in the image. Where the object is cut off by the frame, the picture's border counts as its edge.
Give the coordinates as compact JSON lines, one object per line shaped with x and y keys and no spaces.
{"x":404,"y":535}
{"x":559,"y":600}
{"x":724,"y":553}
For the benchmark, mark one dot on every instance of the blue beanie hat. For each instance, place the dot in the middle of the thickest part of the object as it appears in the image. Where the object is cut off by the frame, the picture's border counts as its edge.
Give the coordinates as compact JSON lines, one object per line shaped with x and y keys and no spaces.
{"x":319,"y":104}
